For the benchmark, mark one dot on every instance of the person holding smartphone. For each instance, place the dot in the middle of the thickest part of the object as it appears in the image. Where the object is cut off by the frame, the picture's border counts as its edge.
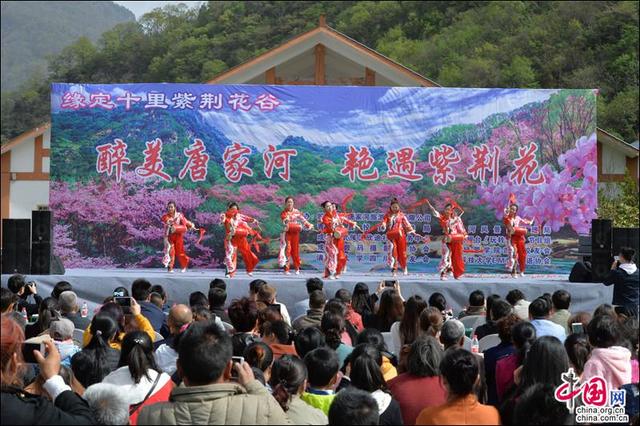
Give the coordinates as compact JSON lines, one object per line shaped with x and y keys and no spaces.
{"x":23,"y":289}
{"x":624,"y":278}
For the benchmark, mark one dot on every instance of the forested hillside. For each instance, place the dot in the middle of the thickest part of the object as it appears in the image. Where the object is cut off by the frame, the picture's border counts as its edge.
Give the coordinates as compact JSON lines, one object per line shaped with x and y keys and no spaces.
{"x":458,"y":44}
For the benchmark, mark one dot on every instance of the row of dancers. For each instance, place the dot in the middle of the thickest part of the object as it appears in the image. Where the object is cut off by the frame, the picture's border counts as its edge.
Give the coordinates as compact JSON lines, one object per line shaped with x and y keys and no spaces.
{"x":336,"y":226}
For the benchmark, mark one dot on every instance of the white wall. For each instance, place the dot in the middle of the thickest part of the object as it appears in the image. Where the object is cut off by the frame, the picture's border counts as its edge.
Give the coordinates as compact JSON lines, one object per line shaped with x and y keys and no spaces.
{"x":22,"y":156}
{"x":26,"y":196}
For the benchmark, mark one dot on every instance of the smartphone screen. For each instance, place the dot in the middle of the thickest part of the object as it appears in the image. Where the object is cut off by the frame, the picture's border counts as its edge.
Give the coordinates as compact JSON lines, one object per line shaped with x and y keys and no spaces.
{"x":27,"y":352}
{"x":577,"y":327}
{"x":236,"y":360}
{"x":389,"y":283}
{"x":276,"y":306}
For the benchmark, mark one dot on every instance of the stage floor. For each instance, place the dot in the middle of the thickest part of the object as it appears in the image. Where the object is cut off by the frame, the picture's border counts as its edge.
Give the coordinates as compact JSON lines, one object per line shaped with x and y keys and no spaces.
{"x":94,"y":285}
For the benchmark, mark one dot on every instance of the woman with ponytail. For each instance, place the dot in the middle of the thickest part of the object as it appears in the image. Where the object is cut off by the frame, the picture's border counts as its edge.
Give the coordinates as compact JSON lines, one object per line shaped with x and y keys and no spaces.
{"x":523,"y":334}
{"x":260,"y":357}
{"x":138,"y":376}
{"x":288,"y":381}
{"x":333,"y":325}
{"x":133,"y":321}
{"x":47,"y":312}
{"x":97,"y":358}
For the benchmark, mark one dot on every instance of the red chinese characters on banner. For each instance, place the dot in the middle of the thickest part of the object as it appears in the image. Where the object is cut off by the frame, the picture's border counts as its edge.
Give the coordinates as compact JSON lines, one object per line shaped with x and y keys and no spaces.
{"x":128,"y":100}
{"x":357,"y":163}
{"x":73,"y":100}
{"x":239,"y":101}
{"x":235,"y":162}
{"x":401,"y":164}
{"x":267,"y":102}
{"x":485,"y":162}
{"x":526,"y":165}
{"x":279,"y":159}
{"x":153,"y":164}
{"x":196,"y":164}
{"x":112,"y":157}
{"x":440,"y":159}
{"x":101,"y":100}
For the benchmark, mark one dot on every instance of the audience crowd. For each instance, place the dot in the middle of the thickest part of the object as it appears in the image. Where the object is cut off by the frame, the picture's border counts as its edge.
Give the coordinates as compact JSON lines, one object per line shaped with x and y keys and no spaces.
{"x":352,"y":358}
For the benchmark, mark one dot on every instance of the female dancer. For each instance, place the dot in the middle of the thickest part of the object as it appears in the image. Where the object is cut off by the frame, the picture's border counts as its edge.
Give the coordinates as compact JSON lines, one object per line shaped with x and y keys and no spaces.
{"x":175,"y":225}
{"x":456,"y":245}
{"x":293,"y":221}
{"x":450,"y":222}
{"x":237,"y":229}
{"x":516,"y":236}
{"x":335,"y":230}
{"x":397,"y":226}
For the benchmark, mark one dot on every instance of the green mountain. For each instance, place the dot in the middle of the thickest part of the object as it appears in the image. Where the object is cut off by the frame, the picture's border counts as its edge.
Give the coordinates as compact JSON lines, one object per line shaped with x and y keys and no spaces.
{"x":33,"y":30}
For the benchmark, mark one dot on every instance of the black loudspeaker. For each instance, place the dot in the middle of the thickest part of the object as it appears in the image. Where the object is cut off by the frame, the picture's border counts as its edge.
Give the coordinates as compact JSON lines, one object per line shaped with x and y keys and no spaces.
{"x":601,"y":241}
{"x":625,"y":237}
{"x":41,"y":258}
{"x":16,"y":246}
{"x":41,"y":226}
{"x":580,"y":273}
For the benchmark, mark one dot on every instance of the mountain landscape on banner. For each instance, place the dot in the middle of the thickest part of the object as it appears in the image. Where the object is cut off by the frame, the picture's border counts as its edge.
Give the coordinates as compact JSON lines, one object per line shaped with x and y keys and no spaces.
{"x":102,"y":223}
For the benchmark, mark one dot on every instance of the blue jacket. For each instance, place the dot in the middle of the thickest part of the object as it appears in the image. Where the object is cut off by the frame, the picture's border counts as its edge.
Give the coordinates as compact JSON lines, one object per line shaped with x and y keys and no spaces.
{"x":154,"y":314}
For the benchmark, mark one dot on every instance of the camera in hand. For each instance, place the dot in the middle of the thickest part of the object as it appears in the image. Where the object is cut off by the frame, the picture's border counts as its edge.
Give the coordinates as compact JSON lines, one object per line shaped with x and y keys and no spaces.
{"x":125,"y":303}
{"x":27,"y":352}
{"x":236,"y":360}
{"x":390,"y":283}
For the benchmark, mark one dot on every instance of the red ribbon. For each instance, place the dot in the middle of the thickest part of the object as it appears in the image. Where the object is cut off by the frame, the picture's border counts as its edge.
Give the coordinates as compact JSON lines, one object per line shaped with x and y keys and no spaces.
{"x":346,"y":200}
{"x":417,"y":204}
{"x":512,"y":198}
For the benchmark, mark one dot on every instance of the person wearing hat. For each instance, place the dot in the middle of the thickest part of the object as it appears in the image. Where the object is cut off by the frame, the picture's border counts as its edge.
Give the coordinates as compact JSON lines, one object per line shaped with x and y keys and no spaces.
{"x":61,"y":331}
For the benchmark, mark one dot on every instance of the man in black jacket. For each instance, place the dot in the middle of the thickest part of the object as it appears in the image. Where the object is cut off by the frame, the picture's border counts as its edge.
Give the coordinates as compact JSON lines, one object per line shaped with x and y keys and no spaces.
{"x":141,"y":291}
{"x":20,"y":287}
{"x":625,"y":279}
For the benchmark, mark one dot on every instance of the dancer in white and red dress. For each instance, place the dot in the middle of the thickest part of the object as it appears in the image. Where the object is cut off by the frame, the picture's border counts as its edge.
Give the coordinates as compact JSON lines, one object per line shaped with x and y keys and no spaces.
{"x":335,"y":229}
{"x":453,"y":231}
{"x":457,"y":235}
{"x":237,"y":229}
{"x":293,"y":221}
{"x":397,"y":227}
{"x":175,"y":226}
{"x":516,"y":237}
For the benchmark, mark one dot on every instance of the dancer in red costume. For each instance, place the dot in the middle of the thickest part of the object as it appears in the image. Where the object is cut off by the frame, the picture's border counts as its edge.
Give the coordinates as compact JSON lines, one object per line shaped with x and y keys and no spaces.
{"x":397,"y":227}
{"x":453,"y":232}
{"x":456,"y":244}
{"x":335,"y":230}
{"x":516,"y":237}
{"x":237,"y":230}
{"x":175,"y":225}
{"x":293,"y":221}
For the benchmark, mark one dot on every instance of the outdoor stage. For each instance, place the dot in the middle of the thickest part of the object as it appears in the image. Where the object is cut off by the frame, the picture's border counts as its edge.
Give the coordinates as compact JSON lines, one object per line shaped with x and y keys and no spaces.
{"x":93,"y":285}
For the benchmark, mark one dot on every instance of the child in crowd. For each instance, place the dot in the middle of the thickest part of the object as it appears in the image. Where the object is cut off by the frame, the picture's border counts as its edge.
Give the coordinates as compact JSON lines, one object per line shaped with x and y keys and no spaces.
{"x":322,"y":364}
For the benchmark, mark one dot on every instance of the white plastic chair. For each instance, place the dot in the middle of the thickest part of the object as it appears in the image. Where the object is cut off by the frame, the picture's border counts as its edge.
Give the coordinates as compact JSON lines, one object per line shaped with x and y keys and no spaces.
{"x":472,"y":321}
{"x":489,"y":341}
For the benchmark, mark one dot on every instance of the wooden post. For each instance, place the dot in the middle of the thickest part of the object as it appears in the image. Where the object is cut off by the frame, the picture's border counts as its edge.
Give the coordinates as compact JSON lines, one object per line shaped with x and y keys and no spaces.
{"x":270,"y":76}
{"x":322,"y":22}
{"x":369,"y":77}
{"x":320,"y":70}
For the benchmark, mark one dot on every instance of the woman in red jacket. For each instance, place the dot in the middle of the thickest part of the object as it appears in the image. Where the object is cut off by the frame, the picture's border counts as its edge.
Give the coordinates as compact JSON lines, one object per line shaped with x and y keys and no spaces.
{"x":237,"y":230}
{"x":516,"y":237}
{"x":175,"y":226}
{"x":397,"y":227}
{"x":292,"y":220}
{"x":335,"y":230}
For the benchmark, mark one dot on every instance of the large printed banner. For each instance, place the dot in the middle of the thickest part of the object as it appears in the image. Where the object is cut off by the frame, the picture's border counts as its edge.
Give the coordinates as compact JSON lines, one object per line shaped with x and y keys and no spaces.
{"x":120,"y":152}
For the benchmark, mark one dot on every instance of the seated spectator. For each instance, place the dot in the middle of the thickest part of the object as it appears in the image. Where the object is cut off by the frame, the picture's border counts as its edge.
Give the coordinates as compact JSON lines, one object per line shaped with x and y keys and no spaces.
{"x":120,"y":292}
{"x":431,"y":321}
{"x":267,"y":294}
{"x":137,"y":375}
{"x":68,"y":305}
{"x":438,"y":301}
{"x":578,"y":350}
{"x":156,"y":299}
{"x":389,"y":360}
{"x":561,"y":300}
{"x":520,"y":305}
{"x":217,"y":300}
{"x":243,"y":314}
{"x":61,"y":331}
{"x":629,"y":329}
{"x":259,"y":356}
{"x":624,"y":278}
{"x":350,"y":333}
{"x":141,"y":292}
{"x":476,"y":305}
{"x":254,"y":288}
{"x":352,"y":317}
{"x":460,"y":374}
{"x":133,"y":322}
{"x":363,"y":302}
{"x":307,"y":340}
{"x":279,"y":336}
{"x":18,"y":407}
{"x":287,"y":381}
{"x":523,"y":334}
{"x":544,"y":364}
{"x":492,"y":355}
{"x":537,"y":406}
{"x":421,"y":385}
{"x":198,"y":298}
{"x":180,"y":316}
{"x":391,"y":309}
{"x":405,"y":331}
{"x":218,"y":283}
{"x":300,"y":307}
{"x":579,"y":317}
{"x":110,"y":406}
{"x":267,"y":313}
{"x":333,"y":326}
{"x":157,"y":288}
{"x":608,"y":359}
{"x":354,"y":407}
{"x":59,"y":288}
{"x":539,"y":312}
{"x":47,"y":312}
{"x":323,"y":366}
{"x":452,"y":337}
{"x":98,"y":358}
{"x":18,"y":286}
{"x":8,"y":300}
{"x":498,"y":310}
{"x":365,"y":374}
{"x":202,"y":313}
{"x":208,"y":395}
{"x":313,"y":317}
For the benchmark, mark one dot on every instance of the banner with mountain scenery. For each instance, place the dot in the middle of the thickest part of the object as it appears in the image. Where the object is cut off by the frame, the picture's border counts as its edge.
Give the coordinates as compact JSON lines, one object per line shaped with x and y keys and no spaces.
{"x":120,"y":152}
